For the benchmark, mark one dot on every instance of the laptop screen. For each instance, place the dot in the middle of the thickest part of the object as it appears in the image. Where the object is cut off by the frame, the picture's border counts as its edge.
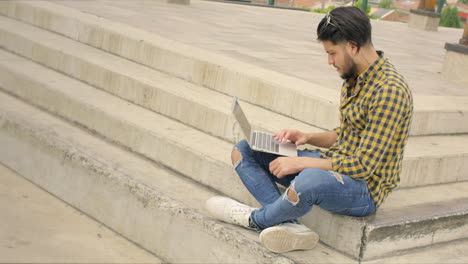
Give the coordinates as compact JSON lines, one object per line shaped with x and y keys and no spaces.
{"x":241,"y":118}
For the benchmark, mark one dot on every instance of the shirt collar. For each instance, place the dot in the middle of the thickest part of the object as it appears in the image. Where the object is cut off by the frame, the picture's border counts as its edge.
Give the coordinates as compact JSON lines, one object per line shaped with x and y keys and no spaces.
{"x":363,"y":78}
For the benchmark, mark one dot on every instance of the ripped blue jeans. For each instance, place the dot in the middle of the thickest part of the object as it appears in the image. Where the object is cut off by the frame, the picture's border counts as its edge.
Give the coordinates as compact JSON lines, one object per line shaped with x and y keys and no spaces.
{"x":329,"y":190}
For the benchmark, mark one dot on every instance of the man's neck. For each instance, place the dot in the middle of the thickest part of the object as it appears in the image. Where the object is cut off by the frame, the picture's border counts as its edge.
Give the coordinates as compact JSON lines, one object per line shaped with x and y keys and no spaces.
{"x":367,"y":56}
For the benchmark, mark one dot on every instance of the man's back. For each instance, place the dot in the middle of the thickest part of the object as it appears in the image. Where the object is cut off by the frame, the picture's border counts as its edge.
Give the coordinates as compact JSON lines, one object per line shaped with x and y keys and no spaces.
{"x":374,"y":128}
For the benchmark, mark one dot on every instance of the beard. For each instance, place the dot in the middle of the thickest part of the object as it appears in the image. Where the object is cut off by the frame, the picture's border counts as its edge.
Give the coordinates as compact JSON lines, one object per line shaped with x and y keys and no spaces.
{"x":349,"y":68}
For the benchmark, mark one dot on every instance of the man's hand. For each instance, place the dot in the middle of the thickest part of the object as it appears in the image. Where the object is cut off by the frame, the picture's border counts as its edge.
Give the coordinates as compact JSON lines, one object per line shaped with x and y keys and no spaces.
{"x":293,"y":135}
{"x":283,"y":166}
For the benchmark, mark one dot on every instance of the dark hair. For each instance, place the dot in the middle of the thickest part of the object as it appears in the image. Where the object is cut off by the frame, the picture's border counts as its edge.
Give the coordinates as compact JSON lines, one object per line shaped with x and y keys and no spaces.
{"x":345,"y":24}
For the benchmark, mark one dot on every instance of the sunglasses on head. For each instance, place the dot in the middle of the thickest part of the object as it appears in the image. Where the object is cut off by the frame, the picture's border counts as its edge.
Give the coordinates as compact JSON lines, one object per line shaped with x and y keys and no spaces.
{"x":328,"y":17}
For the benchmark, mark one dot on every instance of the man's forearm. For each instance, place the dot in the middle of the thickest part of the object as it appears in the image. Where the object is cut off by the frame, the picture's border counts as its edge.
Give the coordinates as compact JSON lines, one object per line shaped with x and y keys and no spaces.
{"x":317,"y":163}
{"x":322,"y":140}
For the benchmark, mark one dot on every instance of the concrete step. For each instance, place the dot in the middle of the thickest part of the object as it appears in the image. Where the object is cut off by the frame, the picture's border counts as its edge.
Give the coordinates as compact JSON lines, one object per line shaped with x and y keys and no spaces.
{"x":428,"y":160}
{"x":155,"y":208}
{"x":191,"y":104}
{"x":134,"y":127}
{"x":154,"y":136}
{"x":408,"y":219}
{"x":163,"y":211}
{"x":290,"y":96}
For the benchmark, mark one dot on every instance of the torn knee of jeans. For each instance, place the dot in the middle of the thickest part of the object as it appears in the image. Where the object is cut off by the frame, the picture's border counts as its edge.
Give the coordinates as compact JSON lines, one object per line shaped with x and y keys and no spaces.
{"x":291,"y":195}
{"x":338,"y":176}
{"x":236,"y":157}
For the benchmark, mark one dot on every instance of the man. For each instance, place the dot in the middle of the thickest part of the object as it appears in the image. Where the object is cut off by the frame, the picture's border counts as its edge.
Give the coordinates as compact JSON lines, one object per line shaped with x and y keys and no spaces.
{"x":362,"y":161}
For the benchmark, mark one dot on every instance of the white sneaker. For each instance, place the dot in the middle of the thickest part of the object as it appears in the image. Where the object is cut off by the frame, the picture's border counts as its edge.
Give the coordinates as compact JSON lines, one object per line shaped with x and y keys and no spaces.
{"x":287,"y":237}
{"x":229,"y":210}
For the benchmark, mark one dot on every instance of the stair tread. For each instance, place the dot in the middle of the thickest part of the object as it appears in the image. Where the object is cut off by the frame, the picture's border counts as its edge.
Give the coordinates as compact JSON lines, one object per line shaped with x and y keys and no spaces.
{"x":207,"y":146}
{"x":214,"y":101}
{"x":438,"y":145}
{"x":175,"y":192}
{"x":445,"y":105}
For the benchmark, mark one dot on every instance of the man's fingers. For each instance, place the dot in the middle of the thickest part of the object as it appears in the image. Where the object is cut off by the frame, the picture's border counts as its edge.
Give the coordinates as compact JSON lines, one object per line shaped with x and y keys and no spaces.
{"x":277,"y":172}
{"x":273,"y":166}
{"x":278,"y":135}
{"x":286,"y":137}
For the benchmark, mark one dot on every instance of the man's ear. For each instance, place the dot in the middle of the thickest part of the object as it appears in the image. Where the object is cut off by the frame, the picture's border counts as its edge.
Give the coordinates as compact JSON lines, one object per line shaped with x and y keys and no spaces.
{"x":353,"y":48}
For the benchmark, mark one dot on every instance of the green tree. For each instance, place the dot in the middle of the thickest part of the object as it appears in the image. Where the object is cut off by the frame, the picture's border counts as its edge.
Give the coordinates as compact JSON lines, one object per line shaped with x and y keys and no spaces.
{"x":450,"y":18}
{"x":358,"y":4}
{"x":324,"y":11}
{"x":464,"y":2}
{"x":387,"y":4}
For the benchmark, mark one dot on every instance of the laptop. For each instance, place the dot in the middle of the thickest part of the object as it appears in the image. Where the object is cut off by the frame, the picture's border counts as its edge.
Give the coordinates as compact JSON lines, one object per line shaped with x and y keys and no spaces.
{"x":261,"y":141}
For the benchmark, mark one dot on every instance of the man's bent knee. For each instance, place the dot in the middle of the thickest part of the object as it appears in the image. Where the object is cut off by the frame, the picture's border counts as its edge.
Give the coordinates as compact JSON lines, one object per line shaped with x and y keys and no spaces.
{"x":236,"y":156}
{"x":291,"y":195}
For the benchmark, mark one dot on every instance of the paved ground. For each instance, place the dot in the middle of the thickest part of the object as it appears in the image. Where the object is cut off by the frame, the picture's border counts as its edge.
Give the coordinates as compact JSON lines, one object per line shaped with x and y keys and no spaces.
{"x":36,"y":227}
{"x":282,"y":40}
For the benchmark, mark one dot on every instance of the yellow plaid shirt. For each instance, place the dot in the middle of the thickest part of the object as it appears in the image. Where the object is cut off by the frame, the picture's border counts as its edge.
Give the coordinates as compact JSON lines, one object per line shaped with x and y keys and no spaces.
{"x":374,"y":128}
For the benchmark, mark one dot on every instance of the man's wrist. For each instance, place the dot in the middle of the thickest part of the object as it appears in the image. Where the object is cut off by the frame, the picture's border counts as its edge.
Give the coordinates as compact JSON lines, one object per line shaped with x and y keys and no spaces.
{"x":318,"y":163}
{"x":309,"y":137}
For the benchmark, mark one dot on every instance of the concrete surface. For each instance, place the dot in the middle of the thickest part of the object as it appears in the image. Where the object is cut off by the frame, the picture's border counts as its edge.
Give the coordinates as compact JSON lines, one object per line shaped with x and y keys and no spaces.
{"x":420,"y":20}
{"x":146,"y":203}
{"x":282,"y":40}
{"x":455,"y":64}
{"x":437,"y":159}
{"x":151,"y":135}
{"x":454,"y":252}
{"x":33,"y":217}
{"x":125,"y":192}
{"x":38,"y":228}
{"x":131,"y":188}
{"x":205,"y":109}
{"x":275,"y":91}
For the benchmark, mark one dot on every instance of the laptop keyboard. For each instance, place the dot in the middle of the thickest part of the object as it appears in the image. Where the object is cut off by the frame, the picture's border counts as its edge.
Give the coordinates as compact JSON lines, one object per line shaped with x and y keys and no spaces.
{"x":265,"y":141}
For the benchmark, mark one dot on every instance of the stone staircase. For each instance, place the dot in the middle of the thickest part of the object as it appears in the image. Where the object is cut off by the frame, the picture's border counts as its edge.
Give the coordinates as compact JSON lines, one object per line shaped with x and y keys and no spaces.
{"x":135,"y":130}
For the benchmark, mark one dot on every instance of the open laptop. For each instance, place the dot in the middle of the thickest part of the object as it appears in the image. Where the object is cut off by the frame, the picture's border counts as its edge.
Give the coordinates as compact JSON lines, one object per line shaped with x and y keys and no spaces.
{"x":261,"y":141}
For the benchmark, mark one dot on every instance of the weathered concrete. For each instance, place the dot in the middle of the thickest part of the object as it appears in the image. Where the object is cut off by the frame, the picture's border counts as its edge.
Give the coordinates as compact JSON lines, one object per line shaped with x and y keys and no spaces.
{"x":177,"y":2}
{"x":157,"y":209}
{"x":52,"y":144}
{"x":456,"y":63}
{"x":282,"y":40}
{"x":153,"y":136}
{"x":424,"y":20}
{"x":134,"y":127}
{"x":188,"y":103}
{"x":454,"y":252}
{"x":408,"y":219}
{"x":39,"y":228}
{"x":278,"y":92}
{"x":121,"y":190}
{"x":428,"y":160}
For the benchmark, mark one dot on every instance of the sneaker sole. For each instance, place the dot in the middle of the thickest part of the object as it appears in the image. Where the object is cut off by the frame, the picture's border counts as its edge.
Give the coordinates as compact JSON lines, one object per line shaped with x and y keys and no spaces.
{"x":279,"y":240}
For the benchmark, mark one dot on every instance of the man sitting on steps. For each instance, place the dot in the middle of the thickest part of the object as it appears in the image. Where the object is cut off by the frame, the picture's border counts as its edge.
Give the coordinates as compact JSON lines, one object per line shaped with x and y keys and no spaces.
{"x":362,"y":161}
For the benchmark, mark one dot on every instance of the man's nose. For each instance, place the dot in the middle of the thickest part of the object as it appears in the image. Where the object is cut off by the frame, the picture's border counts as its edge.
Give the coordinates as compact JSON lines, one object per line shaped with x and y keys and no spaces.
{"x":330,"y":60}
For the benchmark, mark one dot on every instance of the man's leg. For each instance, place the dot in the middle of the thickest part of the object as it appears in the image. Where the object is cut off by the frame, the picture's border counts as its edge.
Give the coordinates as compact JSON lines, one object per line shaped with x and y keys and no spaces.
{"x":253,"y":169}
{"x":329,"y":190}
